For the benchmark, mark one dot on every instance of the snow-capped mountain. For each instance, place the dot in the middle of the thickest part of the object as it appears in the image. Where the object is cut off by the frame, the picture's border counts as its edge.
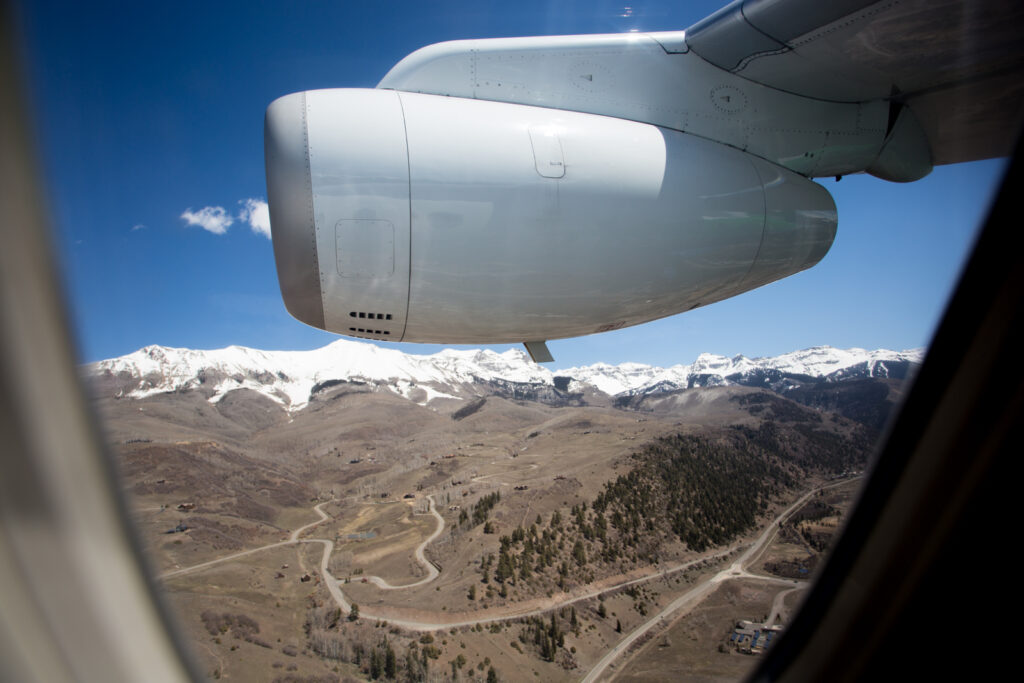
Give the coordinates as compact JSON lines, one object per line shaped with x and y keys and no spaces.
{"x":292,"y":378}
{"x":819,"y":362}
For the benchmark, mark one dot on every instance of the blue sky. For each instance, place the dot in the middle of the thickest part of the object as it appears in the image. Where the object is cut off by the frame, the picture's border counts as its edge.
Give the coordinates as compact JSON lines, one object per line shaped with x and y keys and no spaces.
{"x":146,"y":112}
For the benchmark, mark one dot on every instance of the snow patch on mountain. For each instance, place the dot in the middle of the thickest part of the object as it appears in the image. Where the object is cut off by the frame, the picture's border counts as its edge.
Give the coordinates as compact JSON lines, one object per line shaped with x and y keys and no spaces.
{"x":713,"y":370}
{"x":290,"y":377}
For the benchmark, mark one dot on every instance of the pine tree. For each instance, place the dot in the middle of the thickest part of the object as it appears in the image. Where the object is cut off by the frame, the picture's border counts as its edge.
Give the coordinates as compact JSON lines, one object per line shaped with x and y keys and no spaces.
{"x":545,"y":647}
{"x":415,"y":670}
{"x":504,"y":570}
{"x":390,"y":662}
{"x":579,"y":553}
{"x":376,"y":665}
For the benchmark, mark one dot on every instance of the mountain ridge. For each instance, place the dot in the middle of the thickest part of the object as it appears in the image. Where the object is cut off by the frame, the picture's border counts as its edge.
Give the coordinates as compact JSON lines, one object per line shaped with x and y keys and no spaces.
{"x":292,"y":378}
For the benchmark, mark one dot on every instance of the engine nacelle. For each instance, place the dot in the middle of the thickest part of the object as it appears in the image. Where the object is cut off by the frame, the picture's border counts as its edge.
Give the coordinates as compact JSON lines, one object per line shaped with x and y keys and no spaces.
{"x":421,"y":218}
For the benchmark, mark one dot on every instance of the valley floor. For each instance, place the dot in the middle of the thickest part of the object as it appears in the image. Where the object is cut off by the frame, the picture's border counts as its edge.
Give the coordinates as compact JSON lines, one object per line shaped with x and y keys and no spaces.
{"x":685,"y":598}
{"x":540,"y":542}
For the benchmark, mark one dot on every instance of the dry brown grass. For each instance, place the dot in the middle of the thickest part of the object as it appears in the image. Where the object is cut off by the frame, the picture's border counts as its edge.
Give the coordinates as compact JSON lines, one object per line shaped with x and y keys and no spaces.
{"x":255,"y":474}
{"x":688,"y":650}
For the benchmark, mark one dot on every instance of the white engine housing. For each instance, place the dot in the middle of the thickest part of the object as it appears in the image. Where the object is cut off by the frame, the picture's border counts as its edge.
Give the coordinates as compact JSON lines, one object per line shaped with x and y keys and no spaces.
{"x":423,"y":218}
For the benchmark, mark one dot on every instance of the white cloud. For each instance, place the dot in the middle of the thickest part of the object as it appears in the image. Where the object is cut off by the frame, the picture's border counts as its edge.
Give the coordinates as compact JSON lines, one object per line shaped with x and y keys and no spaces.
{"x":138,"y":226}
{"x":210,"y":218}
{"x":256,"y":213}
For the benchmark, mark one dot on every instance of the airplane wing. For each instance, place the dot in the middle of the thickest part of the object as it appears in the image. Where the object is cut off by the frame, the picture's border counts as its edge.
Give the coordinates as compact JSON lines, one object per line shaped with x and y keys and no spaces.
{"x":957,"y":65}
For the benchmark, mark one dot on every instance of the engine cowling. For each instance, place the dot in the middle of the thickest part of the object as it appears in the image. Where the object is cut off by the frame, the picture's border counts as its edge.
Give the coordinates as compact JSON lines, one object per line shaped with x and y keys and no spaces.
{"x":421,"y":218}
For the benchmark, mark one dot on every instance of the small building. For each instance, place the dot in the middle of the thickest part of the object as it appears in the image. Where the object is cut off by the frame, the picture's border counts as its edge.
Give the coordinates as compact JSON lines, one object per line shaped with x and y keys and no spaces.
{"x":753,"y":638}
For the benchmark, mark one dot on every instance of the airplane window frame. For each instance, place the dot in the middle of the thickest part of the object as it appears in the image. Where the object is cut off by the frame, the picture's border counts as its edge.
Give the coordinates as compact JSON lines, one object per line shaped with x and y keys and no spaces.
{"x":982,"y":325}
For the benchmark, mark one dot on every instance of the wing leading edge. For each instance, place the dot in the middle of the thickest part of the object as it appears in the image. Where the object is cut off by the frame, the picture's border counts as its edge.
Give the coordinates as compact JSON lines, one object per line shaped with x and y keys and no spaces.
{"x":820,"y":88}
{"x":956,"y":65}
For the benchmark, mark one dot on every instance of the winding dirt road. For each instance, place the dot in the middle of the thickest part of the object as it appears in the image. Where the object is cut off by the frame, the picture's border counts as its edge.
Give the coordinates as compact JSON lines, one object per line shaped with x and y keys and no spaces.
{"x":294,"y":538}
{"x":477,"y":480}
{"x":777,"y":607}
{"x":737,"y":570}
{"x":678,"y":607}
{"x":432,"y":572}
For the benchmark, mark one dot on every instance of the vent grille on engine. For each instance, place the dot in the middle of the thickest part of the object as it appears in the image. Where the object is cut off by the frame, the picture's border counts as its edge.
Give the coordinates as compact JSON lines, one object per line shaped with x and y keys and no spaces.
{"x":369,"y":316}
{"x":366,"y":331}
{"x":369,"y":332}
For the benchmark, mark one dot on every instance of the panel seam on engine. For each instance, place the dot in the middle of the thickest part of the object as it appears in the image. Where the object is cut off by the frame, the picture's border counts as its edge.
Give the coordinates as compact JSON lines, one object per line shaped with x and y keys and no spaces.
{"x":308,"y":179}
{"x":764,"y":223}
{"x":408,"y":169}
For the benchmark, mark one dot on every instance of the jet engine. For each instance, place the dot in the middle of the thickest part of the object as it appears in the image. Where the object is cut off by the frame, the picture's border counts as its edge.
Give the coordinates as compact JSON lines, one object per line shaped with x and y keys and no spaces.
{"x":423,"y":218}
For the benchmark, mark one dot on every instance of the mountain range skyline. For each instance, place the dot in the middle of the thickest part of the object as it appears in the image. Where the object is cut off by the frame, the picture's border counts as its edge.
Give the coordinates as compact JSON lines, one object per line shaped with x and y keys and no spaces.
{"x":291,"y":378}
